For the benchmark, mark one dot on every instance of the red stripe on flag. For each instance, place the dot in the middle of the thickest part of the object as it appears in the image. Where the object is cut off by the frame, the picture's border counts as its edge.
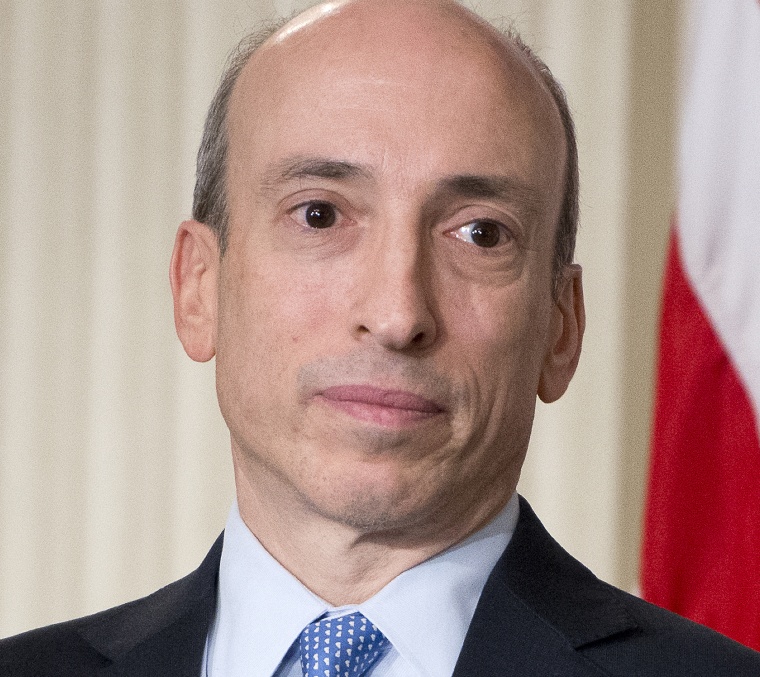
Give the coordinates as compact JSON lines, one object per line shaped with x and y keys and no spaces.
{"x":702,"y":532}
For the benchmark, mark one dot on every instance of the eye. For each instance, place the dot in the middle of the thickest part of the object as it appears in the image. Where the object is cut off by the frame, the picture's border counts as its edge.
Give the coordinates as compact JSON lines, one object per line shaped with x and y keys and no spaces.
{"x":318,"y":214}
{"x":484,"y":234}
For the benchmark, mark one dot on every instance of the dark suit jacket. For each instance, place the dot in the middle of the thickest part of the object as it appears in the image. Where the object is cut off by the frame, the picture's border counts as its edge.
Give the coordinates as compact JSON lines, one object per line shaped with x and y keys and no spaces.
{"x":541,"y":613}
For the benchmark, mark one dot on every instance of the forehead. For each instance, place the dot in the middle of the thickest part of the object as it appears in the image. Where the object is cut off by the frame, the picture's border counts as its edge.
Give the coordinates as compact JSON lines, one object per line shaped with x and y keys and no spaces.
{"x":419,"y":90}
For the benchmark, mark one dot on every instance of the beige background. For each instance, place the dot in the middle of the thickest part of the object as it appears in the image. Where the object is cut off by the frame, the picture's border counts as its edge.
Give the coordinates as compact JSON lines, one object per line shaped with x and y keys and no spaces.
{"x":114,"y":469}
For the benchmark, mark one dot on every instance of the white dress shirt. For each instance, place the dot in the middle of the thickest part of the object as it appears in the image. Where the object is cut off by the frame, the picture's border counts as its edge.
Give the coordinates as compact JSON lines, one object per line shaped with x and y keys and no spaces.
{"x":424,"y":612}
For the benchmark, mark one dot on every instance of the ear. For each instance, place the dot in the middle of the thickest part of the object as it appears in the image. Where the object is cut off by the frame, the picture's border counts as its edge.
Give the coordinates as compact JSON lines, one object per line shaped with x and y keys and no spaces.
{"x":566,"y":328}
{"x":193,"y":274}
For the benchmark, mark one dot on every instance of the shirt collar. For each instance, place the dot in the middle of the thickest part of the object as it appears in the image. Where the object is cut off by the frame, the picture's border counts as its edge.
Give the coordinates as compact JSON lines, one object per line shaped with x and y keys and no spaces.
{"x":262,"y":608}
{"x":440,"y":596}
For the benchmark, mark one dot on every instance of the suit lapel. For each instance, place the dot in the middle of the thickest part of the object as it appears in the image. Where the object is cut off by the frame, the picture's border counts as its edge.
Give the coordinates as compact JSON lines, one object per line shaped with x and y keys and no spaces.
{"x":163,"y":634}
{"x":539,"y":608}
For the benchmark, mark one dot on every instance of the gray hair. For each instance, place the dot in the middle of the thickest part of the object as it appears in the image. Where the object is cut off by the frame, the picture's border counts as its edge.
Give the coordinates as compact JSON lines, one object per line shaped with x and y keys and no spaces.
{"x":567,"y":224}
{"x":210,"y":195}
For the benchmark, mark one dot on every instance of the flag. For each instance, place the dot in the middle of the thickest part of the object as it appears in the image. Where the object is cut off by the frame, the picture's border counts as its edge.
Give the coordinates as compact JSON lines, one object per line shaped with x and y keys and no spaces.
{"x":701,"y":550}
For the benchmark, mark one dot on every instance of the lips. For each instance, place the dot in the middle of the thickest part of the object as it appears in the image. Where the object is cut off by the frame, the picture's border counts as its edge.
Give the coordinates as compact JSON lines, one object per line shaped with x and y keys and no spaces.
{"x":379,"y":405}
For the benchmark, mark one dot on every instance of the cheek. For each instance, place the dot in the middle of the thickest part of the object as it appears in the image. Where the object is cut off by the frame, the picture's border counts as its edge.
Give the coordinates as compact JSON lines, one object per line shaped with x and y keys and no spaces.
{"x":488,"y":322}
{"x":273,"y":306}
{"x":501,"y":334}
{"x":303,"y":308}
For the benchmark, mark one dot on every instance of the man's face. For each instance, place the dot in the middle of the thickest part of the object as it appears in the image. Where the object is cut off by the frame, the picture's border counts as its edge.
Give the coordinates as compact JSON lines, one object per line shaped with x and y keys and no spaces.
{"x":385,"y":309}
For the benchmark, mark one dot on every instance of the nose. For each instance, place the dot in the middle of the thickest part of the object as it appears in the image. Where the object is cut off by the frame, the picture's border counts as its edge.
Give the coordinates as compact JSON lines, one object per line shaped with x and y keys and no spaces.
{"x":394,"y":305}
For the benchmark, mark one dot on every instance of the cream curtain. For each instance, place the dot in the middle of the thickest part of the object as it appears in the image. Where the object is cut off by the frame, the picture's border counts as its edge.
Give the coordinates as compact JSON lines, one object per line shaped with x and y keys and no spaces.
{"x":114,"y":468}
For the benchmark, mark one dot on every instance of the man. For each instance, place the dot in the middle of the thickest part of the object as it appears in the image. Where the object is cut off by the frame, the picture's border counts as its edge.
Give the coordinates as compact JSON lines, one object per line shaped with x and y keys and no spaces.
{"x":381,"y":262}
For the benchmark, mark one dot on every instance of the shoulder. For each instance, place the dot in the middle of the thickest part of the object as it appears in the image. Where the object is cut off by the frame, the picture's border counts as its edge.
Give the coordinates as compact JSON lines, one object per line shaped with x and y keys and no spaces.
{"x":663,"y":643}
{"x":608,"y":630}
{"x":175,"y":617}
{"x":55,"y":650}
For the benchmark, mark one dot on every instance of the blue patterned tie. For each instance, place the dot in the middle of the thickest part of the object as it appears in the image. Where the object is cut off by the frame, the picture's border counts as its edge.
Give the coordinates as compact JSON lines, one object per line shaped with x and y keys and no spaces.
{"x":344,"y":646}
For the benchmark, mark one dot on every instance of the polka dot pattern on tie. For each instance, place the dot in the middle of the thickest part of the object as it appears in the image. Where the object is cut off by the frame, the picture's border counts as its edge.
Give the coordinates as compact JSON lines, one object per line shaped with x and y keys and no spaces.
{"x":344,"y":646}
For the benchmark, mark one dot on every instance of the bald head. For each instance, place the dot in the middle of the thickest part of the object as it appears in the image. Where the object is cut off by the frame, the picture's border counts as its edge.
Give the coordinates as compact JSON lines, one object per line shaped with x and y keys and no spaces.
{"x":431,"y":18}
{"x":406,"y":41}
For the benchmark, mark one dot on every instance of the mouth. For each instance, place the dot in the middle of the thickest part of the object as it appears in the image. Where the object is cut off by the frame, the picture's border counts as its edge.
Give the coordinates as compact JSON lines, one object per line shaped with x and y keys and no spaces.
{"x":390,"y":408}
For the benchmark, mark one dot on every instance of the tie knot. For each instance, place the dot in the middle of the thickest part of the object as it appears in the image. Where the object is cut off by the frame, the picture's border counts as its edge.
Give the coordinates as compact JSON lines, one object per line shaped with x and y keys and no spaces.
{"x":344,"y":646}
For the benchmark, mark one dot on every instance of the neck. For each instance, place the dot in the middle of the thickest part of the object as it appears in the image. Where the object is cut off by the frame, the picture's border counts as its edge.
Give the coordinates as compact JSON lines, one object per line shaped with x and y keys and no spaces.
{"x":338,"y":562}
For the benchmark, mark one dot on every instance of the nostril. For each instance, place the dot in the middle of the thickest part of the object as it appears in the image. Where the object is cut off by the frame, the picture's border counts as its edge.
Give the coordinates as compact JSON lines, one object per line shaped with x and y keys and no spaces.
{"x":397,"y":318}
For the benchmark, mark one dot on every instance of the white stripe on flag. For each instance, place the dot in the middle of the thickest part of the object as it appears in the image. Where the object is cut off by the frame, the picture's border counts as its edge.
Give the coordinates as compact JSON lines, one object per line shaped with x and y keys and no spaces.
{"x":719,"y":210}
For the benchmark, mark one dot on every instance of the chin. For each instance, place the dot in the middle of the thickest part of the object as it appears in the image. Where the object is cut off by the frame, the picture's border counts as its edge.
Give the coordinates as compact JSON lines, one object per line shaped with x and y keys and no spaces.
{"x":371,"y":508}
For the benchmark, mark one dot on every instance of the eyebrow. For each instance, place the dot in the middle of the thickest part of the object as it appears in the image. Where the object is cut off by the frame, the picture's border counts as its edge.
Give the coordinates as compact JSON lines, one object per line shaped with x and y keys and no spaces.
{"x":525,"y":197}
{"x":298,"y":167}
{"x":522,"y":195}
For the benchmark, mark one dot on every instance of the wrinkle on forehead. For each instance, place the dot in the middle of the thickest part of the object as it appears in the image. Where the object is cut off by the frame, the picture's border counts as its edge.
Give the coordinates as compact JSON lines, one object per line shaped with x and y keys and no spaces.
{"x":382,"y":56}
